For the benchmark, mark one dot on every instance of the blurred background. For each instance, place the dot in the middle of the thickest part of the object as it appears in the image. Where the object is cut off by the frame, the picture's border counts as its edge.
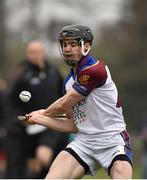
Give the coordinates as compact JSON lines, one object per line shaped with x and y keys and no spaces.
{"x":120,"y":37}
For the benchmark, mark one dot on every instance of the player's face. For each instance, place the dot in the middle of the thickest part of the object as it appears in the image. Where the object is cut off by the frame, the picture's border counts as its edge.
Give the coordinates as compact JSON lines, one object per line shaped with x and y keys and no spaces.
{"x":71,"y":50}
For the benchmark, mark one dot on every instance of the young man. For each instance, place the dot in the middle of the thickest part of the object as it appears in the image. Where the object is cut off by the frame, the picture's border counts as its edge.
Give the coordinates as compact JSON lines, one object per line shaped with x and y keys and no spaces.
{"x":92,"y":111}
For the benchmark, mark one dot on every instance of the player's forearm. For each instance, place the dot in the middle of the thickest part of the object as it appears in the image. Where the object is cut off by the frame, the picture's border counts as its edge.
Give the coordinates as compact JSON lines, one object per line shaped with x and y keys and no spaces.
{"x":59,"y":124}
{"x":64,"y":104}
{"x":58,"y":107}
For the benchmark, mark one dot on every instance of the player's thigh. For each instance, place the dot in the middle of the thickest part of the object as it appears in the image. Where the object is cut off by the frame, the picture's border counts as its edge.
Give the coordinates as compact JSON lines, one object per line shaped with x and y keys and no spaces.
{"x":65,"y":166}
{"x":121,"y":169}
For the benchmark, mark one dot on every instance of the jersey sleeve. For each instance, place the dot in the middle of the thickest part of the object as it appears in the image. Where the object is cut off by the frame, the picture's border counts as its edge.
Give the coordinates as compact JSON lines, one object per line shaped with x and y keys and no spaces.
{"x":90,"y":78}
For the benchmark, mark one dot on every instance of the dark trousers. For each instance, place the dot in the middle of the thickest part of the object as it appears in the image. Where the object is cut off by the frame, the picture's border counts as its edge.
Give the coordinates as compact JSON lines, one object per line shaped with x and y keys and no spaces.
{"x":16,"y":158}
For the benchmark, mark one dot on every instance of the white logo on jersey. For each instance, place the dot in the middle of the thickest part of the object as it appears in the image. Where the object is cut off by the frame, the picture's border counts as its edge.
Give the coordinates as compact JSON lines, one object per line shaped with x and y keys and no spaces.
{"x":78,"y":114}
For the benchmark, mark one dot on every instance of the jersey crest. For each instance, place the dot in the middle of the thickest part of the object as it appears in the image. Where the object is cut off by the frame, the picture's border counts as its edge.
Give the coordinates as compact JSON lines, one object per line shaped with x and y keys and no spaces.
{"x":83,"y":80}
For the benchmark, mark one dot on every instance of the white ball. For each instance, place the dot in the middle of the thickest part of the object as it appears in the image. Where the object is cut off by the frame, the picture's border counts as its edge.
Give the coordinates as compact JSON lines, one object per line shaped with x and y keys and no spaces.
{"x":25,"y":96}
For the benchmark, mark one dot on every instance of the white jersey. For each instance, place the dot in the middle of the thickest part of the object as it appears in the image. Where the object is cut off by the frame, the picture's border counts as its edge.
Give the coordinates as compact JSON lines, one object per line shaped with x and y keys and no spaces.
{"x":99,"y":114}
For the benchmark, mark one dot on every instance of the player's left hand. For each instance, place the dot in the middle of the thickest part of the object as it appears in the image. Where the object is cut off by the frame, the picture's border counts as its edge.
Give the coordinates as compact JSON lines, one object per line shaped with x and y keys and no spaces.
{"x":33,"y":117}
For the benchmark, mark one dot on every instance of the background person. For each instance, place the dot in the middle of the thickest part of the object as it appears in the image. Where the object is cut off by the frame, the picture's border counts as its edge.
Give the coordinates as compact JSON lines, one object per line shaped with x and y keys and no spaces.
{"x":93,"y":111}
{"x":34,"y":147}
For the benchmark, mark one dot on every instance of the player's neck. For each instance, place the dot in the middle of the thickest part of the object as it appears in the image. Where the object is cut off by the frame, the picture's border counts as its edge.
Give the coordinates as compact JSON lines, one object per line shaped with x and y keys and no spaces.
{"x":74,"y":69}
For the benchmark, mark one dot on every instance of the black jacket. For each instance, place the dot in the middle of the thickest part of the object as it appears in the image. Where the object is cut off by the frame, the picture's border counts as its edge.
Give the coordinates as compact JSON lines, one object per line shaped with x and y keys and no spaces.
{"x":45,"y":86}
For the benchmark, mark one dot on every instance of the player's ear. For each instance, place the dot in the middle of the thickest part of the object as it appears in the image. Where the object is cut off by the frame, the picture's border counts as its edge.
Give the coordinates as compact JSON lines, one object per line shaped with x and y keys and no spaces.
{"x":86,"y":45}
